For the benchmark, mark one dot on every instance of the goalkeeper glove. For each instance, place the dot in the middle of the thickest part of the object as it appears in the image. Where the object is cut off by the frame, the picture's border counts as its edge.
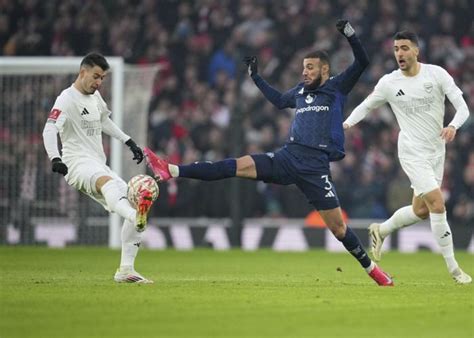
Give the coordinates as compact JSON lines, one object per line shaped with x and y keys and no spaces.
{"x":136,"y":150}
{"x":345,"y":28}
{"x":59,"y":166}
{"x":252,"y":64}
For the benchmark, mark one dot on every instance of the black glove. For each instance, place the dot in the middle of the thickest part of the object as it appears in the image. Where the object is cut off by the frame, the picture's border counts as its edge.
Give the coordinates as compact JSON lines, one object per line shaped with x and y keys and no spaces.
{"x":345,"y":28}
{"x":59,"y":166}
{"x":136,"y":150}
{"x":252,"y":64}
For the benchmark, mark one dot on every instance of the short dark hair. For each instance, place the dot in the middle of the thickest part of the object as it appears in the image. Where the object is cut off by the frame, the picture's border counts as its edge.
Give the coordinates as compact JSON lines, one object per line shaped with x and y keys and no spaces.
{"x":95,"y":59}
{"x":406,"y":35}
{"x":318,"y":54}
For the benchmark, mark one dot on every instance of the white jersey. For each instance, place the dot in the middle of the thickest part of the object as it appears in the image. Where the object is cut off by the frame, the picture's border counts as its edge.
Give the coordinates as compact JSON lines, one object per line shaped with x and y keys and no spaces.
{"x":418,"y":104}
{"x":78,"y":118}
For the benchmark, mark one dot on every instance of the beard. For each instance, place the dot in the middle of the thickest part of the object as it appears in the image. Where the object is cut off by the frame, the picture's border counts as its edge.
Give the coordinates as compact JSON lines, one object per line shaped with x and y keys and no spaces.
{"x":313,"y":85}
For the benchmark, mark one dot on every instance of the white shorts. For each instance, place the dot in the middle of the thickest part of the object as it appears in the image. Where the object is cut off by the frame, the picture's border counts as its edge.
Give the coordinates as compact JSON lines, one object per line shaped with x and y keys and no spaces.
{"x":83,"y":174}
{"x":425,"y":175}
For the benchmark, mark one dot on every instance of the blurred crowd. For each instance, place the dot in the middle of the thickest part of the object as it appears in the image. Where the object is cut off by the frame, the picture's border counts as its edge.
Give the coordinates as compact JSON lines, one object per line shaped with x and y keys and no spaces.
{"x":203,"y":99}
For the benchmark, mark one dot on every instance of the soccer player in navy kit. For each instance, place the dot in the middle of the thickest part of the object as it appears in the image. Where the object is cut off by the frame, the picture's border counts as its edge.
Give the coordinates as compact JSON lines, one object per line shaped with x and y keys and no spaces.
{"x":316,"y":138}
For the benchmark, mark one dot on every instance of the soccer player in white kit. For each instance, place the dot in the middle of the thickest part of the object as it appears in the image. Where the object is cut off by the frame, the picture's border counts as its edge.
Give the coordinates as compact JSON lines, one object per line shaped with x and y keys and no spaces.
{"x":80,"y":115}
{"x":416,"y":94}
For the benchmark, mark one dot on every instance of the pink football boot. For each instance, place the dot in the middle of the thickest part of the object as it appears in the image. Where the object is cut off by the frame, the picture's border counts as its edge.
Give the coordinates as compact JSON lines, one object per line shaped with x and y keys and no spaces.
{"x":157,"y":165}
{"x":380,"y":277}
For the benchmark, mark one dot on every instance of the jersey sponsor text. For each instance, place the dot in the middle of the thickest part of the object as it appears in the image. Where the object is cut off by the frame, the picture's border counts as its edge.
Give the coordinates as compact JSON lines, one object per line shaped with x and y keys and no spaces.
{"x":312,"y":108}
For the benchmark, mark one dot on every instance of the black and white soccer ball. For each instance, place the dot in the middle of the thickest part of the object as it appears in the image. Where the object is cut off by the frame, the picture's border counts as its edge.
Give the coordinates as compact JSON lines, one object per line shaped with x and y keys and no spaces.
{"x":138,"y":184}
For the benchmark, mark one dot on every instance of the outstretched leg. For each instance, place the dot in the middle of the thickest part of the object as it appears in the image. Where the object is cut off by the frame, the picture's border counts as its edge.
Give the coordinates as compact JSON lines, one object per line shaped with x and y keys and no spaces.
{"x":207,"y":171}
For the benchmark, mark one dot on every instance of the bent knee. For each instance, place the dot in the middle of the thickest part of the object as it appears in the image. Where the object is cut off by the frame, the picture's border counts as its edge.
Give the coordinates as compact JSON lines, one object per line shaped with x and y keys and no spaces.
{"x":422,"y":212}
{"x":100,"y":182}
{"x":437,"y":207}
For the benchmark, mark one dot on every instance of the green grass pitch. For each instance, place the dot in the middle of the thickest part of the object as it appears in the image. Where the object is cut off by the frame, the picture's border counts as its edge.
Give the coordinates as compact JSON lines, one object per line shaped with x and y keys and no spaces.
{"x":206,"y":293}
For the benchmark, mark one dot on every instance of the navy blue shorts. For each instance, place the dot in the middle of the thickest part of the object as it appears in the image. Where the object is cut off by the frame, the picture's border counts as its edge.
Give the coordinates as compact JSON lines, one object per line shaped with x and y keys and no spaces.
{"x":308,"y":168}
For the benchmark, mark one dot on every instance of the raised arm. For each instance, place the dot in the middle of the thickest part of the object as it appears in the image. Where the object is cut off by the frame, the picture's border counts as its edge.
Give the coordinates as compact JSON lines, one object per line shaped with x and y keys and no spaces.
{"x":279,"y":100}
{"x":349,"y":77}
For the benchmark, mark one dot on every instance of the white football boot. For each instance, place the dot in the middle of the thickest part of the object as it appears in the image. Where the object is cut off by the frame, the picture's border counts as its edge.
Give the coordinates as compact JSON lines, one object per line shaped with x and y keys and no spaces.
{"x":461,"y":277}
{"x":376,"y":241}
{"x":129,"y":275}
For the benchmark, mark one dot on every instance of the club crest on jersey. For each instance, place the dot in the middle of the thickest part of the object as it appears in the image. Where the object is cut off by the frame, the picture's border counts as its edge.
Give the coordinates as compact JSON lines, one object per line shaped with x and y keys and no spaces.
{"x":428,"y":87}
{"x":309,"y":98}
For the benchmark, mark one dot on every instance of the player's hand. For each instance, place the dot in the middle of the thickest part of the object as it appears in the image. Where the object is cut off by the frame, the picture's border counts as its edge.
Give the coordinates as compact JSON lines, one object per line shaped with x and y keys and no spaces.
{"x":345,"y":28}
{"x":58,"y":166}
{"x":136,"y":150}
{"x":448,"y":133}
{"x":252,"y":64}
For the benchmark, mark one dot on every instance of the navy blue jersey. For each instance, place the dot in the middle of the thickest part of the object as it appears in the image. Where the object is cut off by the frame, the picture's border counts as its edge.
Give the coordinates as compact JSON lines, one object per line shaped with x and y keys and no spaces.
{"x":319,"y":112}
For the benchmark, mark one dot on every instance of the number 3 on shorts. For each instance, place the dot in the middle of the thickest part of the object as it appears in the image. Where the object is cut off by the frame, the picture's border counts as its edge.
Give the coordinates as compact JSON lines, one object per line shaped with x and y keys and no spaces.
{"x":328,"y":185}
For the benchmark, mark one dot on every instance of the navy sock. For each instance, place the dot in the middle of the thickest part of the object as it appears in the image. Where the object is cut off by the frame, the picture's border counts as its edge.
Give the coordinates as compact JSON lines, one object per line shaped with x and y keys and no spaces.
{"x":352,"y":243}
{"x":209,"y":171}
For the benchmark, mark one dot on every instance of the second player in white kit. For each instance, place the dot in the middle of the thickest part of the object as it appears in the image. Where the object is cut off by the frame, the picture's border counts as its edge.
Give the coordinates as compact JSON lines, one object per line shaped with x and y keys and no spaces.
{"x":416,"y":93}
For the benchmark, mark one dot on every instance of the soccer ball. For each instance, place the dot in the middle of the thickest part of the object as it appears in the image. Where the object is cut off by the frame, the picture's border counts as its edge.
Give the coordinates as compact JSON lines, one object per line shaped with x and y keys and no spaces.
{"x":139,"y":183}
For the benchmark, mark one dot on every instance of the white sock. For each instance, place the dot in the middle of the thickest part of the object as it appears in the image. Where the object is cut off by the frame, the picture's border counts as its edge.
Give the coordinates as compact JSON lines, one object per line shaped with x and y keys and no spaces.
{"x":442,"y":234}
{"x":174,"y":170}
{"x":370,"y":267}
{"x":117,"y":201}
{"x":131,"y":240}
{"x":401,"y":218}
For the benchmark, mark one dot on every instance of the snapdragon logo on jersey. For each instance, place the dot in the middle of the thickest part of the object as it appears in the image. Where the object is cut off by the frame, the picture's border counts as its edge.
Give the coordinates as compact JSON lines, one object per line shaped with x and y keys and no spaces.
{"x":312,"y":108}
